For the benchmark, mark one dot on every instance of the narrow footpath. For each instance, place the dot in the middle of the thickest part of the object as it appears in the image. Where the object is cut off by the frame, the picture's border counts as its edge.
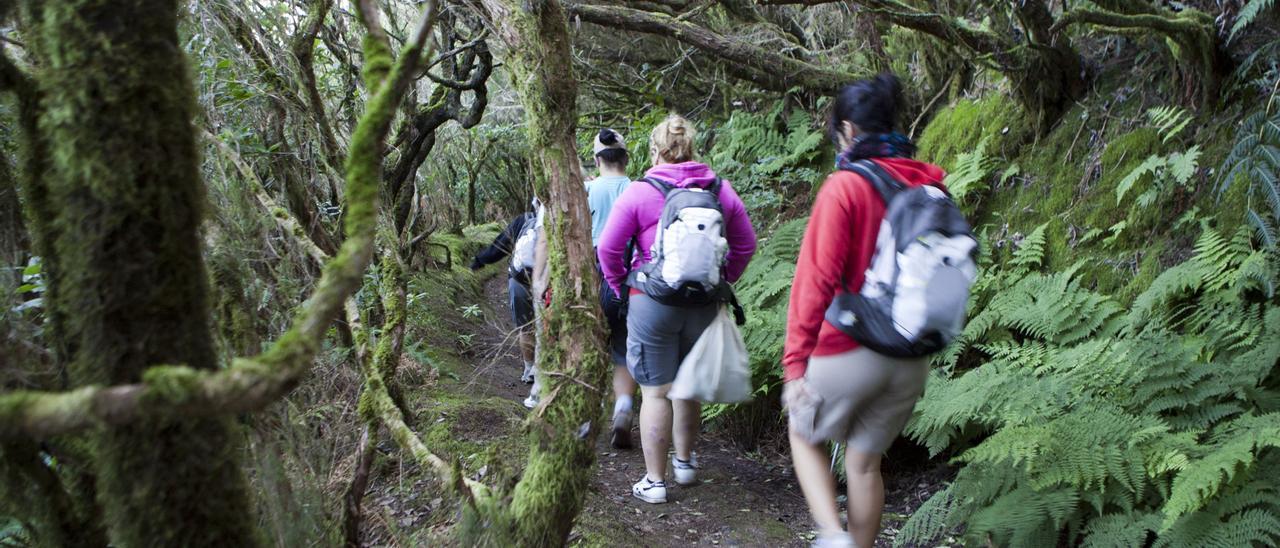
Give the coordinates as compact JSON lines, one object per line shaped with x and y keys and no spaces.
{"x":742,"y":499}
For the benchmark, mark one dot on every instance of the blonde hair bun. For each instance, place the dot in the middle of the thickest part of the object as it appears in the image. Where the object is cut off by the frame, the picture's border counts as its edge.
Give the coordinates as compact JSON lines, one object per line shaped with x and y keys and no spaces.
{"x":671,"y":142}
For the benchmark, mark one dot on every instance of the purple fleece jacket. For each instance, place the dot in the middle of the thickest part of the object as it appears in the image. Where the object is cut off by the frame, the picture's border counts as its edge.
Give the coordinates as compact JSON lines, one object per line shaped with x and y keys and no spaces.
{"x":637,"y":211}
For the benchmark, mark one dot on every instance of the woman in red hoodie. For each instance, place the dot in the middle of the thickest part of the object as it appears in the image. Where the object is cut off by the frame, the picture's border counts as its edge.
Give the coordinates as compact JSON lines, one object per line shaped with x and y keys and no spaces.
{"x":835,"y":390}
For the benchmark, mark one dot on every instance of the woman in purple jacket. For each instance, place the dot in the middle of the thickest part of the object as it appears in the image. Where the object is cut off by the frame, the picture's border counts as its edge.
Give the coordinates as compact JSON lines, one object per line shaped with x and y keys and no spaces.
{"x":659,"y":336}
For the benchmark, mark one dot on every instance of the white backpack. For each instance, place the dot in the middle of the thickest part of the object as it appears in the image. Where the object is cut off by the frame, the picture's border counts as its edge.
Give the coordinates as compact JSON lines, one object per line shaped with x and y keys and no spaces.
{"x":523,"y":251}
{"x":689,"y":248}
{"x":913,"y":297}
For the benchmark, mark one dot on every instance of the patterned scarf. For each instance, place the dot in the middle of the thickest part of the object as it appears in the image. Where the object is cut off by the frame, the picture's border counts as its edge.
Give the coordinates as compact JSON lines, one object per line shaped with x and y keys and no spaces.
{"x":876,"y":145}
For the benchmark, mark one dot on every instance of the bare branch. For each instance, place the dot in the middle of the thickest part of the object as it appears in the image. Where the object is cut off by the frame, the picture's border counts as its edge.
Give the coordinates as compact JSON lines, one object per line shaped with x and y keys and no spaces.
{"x":765,"y":68}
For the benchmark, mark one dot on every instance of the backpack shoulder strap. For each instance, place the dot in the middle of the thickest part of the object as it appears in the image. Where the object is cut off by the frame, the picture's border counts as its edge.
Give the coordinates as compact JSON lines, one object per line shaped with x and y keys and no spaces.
{"x":714,"y":187}
{"x":884,"y":183}
{"x":664,"y":187}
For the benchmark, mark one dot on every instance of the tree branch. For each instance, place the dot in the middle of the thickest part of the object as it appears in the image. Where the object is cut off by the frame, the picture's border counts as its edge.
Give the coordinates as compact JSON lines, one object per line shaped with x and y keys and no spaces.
{"x":767,"y":69}
{"x":250,"y":383}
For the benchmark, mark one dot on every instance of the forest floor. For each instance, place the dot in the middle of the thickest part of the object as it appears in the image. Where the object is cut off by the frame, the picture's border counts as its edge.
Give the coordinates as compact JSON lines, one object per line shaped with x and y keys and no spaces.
{"x":742,"y":499}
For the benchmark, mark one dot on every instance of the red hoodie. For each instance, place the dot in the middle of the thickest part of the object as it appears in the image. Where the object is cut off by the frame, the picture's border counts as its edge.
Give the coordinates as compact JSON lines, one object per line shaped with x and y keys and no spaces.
{"x":838,"y":242}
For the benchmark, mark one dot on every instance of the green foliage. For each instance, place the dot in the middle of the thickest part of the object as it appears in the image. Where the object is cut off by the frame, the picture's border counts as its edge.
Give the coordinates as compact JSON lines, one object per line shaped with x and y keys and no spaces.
{"x":1175,"y":169}
{"x":971,"y":174}
{"x":1076,"y":421}
{"x":1169,"y":121}
{"x":763,"y":291}
{"x":765,"y":153}
{"x":1255,"y":158}
{"x":1248,"y":14}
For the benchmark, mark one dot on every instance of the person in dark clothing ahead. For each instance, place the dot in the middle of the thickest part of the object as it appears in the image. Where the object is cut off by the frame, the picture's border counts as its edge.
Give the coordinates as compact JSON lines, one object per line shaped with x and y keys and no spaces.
{"x":518,"y":241}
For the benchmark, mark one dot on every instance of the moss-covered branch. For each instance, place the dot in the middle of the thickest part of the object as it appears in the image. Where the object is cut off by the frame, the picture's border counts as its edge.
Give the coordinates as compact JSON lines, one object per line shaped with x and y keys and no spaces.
{"x":250,"y":383}
{"x":1193,"y":31}
{"x":765,"y":68}
{"x":283,"y":218}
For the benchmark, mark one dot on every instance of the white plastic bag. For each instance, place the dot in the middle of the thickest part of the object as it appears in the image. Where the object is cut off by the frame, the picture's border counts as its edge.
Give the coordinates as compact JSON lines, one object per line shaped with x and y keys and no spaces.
{"x":716,"y":369}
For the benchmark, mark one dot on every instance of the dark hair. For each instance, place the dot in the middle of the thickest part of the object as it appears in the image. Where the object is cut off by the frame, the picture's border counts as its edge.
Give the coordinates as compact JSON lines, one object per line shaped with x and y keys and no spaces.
{"x":615,"y":157}
{"x":872,"y":105}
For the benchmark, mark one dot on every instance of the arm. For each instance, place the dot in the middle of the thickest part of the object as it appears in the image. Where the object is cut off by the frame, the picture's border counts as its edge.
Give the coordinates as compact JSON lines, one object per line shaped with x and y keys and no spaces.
{"x":823,"y":253}
{"x":618,"y":231}
{"x":501,"y":246}
{"x":739,"y":232}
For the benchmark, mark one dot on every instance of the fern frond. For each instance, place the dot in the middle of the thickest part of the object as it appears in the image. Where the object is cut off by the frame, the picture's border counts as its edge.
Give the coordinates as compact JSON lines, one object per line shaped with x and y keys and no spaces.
{"x":1203,"y":479}
{"x":1183,"y":165}
{"x":930,"y":521}
{"x":1025,"y":517}
{"x":1120,"y":530}
{"x":1030,"y":253}
{"x":1147,"y":167}
{"x":1262,"y":229}
{"x":1248,"y":14}
{"x":971,"y":173}
{"x":1169,"y":121}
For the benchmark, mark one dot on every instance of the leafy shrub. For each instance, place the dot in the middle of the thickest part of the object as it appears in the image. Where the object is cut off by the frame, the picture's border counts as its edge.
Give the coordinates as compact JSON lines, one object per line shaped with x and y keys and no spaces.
{"x":1086,"y":423}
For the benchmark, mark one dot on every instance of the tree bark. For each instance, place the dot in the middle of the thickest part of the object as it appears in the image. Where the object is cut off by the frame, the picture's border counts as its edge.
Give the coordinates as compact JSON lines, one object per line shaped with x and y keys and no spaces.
{"x":125,"y":187}
{"x":549,"y":496}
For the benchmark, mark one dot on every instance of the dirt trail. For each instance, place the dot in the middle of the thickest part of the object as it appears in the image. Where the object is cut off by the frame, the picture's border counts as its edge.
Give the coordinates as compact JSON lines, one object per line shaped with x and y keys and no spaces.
{"x":742,"y":500}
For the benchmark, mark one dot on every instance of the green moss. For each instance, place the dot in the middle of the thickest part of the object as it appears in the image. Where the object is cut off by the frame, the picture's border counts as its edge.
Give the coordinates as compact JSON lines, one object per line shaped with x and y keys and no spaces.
{"x":960,"y":127}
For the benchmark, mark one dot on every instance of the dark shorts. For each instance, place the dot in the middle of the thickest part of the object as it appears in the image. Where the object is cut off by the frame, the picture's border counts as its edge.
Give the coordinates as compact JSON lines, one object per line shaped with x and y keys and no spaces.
{"x":521,"y":303}
{"x":615,"y":315}
{"x":660,"y":336}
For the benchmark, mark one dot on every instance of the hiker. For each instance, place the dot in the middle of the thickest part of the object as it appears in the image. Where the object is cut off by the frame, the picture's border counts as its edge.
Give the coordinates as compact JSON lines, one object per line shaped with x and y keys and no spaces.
{"x":518,"y":241}
{"x":685,"y":264}
{"x":836,"y":389}
{"x":602,"y":192}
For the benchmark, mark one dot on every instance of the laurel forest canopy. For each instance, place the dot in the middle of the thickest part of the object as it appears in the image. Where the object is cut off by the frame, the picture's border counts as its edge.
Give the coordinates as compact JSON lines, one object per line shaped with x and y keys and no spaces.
{"x":236,"y":308}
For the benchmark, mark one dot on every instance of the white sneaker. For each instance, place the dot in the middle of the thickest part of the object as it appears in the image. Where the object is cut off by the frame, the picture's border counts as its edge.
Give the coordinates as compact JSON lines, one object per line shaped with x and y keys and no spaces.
{"x":531,"y":401}
{"x":831,"y":540}
{"x":686,"y":471}
{"x":527,"y":376}
{"x":652,"y":492}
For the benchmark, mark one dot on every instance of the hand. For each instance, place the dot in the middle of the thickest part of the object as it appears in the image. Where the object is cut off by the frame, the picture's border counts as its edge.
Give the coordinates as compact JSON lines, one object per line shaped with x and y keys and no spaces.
{"x":792,"y":390}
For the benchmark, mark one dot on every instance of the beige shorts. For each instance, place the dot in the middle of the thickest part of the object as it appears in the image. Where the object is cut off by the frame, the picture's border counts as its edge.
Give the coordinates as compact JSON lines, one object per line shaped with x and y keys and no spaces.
{"x":860,"y":397}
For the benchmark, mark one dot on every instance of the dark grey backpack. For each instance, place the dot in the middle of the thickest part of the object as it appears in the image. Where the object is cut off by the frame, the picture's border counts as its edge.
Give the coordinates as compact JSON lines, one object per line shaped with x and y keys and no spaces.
{"x":913,"y":298}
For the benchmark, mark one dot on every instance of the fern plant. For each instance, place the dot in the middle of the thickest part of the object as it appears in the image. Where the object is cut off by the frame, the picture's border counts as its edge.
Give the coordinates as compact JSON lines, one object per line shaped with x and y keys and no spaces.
{"x":1084,"y":423}
{"x":1248,"y":14}
{"x":1255,"y":157}
{"x":763,"y":153}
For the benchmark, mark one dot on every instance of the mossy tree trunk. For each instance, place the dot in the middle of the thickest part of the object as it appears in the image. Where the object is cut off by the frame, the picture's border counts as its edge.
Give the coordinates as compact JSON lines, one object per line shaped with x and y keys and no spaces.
{"x":563,"y":428}
{"x":129,"y":284}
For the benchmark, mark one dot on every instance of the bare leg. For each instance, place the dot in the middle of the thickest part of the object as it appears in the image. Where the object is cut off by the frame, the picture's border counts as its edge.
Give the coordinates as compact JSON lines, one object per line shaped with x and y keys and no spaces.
{"x":866,"y":495}
{"x":655,"y":429}
{"x":814,"y":473}
{"x":526,"y":344}
{"x":688,"y":419}
{"x":623,"y":384}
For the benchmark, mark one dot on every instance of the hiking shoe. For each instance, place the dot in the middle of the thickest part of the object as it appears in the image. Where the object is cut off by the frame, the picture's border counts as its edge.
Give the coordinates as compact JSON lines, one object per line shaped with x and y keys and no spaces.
{"x":686,"y":471}
{"x":527,"y":376}
{"x":833,"y":540}
{"x":652,"y":492}
{"x":531,"y":401}
{"x":621,"y":436}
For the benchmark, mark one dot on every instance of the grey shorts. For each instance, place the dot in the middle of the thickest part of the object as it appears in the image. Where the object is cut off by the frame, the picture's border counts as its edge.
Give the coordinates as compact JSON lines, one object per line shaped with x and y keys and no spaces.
{"x":521,"y":304}
{"x":859,"y":397}
{"x":660,"y":336}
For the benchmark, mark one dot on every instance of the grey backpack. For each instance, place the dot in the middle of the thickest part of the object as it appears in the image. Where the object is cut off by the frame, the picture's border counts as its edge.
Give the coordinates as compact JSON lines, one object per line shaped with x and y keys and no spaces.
{"x":688,"y":250}
{"x":913,"y":298}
